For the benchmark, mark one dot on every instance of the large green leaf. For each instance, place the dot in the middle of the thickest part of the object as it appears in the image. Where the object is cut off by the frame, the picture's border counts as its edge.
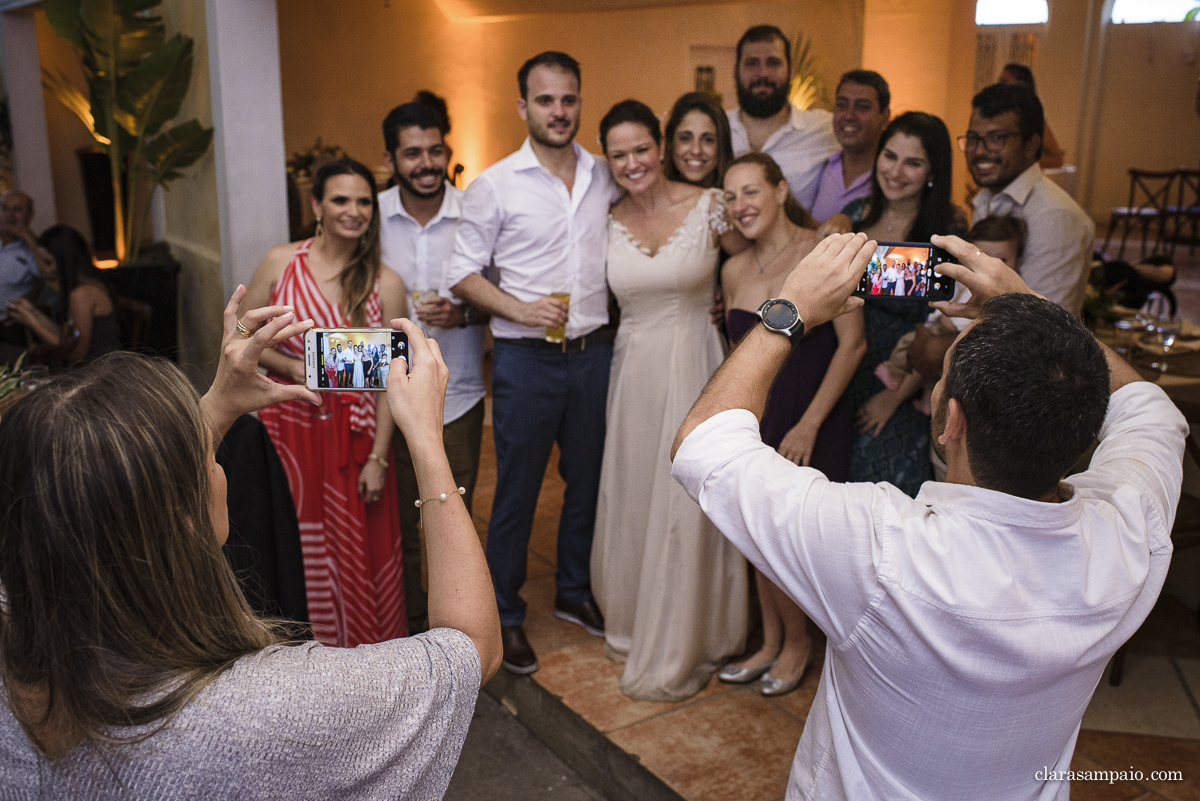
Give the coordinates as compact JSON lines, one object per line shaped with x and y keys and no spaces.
{"x":63,"y":16}
{"x":1192,"y":15}
{"x":153,"y":93}
{"x":57,"y":84}
{"x":119,"y":41}
{"x":180,"y":147}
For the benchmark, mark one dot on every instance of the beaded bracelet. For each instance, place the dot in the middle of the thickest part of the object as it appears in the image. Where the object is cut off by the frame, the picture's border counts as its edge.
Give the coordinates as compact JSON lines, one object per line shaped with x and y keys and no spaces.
{"x":379,"y":460}
{"x":442,"y":497}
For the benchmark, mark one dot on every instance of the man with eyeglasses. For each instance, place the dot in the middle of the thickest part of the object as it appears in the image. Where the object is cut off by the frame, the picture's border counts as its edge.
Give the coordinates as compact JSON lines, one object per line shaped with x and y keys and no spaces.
{"x":1003,"y":145}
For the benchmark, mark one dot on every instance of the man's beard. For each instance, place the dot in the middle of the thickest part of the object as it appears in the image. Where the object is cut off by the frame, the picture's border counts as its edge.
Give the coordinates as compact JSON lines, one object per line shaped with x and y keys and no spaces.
{"x":413,"y":190}
{"x":537,"y":135}
{"x":762,"y":106}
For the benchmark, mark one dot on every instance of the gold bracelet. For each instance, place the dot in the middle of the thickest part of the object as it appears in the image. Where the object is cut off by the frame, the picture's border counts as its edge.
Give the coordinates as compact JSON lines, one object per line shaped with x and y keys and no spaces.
{"x":442,"y":497}
{"x":374,"y":457}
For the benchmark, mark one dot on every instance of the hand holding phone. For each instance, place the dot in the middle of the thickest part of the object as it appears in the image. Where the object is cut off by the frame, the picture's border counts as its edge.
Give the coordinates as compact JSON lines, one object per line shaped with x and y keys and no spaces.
{"x":906,"y":270}
{"x":351,"y":359}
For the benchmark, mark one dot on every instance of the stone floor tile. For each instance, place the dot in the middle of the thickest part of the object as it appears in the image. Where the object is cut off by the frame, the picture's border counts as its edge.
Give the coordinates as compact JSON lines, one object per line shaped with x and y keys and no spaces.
{"x":1146,"y":754}
{"x":1151,"y":699}
{"x":546,"y":632}
{"x":1102,"y":790}
{"x":587,"y":682}
{"x":734,"y":745}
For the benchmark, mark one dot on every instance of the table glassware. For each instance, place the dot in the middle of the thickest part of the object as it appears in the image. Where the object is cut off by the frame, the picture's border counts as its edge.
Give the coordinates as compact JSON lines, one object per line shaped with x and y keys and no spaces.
{"x":1164,"y":323}
{"x":419,"y":298}
{"x":34,"y":376}
{"x":557,"y":333}
{"x":1123,"y":337}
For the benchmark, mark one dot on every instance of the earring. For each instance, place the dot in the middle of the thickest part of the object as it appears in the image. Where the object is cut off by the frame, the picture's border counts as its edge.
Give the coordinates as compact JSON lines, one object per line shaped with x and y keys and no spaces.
{"x":320,"y":226}
{"x":929,"y":184}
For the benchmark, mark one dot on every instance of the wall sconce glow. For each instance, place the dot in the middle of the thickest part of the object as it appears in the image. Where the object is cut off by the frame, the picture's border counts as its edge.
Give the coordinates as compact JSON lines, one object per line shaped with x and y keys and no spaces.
{"x":1013,"y":12}
{"x":1152,"y":10}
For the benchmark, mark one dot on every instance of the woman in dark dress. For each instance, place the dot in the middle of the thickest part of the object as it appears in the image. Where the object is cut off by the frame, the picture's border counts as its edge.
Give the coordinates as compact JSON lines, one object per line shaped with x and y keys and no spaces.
{"x":83,"y":300}
{"x":805,"y":419}
{"x":909,"y":202}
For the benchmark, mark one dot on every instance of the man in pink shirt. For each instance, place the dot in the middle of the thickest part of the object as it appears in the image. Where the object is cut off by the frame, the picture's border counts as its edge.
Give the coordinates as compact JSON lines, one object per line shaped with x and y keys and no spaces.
{"x":860,"y":113}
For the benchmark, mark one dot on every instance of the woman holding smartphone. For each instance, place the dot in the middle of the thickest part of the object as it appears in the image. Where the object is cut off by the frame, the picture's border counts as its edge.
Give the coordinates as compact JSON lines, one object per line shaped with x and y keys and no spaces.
{"x":133,"y":667}
{"x":909,"y":202}
{"x":337,"y":463}
{"x":805,"y":419}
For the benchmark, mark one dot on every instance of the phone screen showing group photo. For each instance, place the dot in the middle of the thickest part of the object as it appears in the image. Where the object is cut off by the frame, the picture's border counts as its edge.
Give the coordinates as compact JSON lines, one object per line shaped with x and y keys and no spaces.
{"x":357,"y":359}
{"x":901,"y":271}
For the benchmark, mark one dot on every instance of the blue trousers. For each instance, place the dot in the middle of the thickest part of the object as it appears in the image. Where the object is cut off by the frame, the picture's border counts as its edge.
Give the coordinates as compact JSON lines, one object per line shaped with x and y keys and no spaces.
{"x":539,"y":397}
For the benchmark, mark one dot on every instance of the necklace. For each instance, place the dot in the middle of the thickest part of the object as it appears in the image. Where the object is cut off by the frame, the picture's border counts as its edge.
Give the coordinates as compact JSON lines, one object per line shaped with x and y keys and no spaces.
{"x":763,"y":267}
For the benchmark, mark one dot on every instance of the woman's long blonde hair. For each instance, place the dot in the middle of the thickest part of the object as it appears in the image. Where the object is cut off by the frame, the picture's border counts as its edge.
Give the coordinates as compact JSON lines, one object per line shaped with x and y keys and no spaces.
{"x":119,"y":605}
{"x":359,"y":275}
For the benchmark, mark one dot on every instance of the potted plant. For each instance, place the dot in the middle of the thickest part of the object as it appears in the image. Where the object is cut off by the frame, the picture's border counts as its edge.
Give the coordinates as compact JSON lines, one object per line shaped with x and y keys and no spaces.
{"x":137,"y":80}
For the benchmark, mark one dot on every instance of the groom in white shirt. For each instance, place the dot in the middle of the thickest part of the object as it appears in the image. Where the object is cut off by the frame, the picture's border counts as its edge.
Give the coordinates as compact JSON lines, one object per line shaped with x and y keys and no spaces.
{"x":540,"y":216}
{"x":967,"y":627}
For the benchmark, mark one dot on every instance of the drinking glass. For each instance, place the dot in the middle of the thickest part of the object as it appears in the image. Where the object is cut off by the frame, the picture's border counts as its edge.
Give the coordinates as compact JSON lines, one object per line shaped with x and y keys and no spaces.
{"x":1164,"y":323}
{"x":1123,"y":338}
{"x":557,"y":333}
{"x":34,"y":376}
{"x":419,"y":298}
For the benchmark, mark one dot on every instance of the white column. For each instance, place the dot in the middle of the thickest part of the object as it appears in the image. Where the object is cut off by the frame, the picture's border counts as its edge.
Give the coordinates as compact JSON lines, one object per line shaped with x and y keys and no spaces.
{"x":243,"y":58}
{"x":31,"y":145}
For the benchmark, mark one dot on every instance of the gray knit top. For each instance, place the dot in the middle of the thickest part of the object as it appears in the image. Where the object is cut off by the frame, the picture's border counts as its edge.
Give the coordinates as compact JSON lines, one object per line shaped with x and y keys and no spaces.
{"x":379,"y":721}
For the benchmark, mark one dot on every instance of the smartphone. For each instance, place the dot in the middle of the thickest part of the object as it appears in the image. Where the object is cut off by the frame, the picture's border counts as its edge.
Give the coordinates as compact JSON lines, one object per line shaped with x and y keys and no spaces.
{"x":351,"y":359}
{"x":908,"y":270}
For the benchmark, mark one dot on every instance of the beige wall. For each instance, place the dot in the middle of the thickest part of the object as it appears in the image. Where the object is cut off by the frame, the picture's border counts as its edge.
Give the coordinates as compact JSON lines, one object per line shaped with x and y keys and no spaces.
{"x":65,"y":132}
{"x":341,"y":73}
{"x":192,"y":228}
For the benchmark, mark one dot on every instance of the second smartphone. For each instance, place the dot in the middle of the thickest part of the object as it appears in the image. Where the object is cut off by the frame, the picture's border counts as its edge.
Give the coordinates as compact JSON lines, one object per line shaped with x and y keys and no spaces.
{"x":351,"y":359}
{"x":906,"y":270}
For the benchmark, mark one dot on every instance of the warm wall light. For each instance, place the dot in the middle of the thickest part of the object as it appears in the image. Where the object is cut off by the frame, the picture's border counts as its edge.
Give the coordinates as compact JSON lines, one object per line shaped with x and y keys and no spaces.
{"x":107,"y":264}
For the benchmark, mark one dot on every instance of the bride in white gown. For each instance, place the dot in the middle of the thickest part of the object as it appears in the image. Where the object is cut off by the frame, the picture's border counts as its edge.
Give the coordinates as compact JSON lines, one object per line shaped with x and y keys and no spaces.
{"x":672,"y":588}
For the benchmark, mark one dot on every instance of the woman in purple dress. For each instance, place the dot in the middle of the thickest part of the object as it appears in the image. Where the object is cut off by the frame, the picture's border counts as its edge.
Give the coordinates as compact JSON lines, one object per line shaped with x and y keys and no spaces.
{"x":805,"y":418}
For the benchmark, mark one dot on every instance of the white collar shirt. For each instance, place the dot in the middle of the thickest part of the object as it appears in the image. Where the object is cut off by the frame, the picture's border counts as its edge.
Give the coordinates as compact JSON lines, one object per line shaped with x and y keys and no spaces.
{"x":1057,"y":257}
{"x":18,"y":273}
{"x":421,"y":255}
{"x":800,"y":148}
{"x":541,"y":238}
{"x":967,"y":628}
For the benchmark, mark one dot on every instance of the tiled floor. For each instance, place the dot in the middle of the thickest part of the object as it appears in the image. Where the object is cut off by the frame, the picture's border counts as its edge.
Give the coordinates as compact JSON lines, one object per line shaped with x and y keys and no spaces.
{"x":731,"y":744}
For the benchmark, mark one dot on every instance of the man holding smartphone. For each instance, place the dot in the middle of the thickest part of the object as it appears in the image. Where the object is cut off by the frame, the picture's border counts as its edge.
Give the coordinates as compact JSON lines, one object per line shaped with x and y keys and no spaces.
{"x":418,"y":218}
{"x":541,"y":217}
{"x":968,"y":627}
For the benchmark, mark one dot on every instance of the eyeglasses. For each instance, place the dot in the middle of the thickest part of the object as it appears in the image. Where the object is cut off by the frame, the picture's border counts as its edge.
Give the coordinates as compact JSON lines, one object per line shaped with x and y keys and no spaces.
{"x":993,"y":139}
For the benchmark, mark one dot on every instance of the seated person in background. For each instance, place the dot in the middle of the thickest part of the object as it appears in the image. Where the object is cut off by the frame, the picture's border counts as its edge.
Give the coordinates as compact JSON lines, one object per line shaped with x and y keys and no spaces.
{"x":82,"y":302}
{"x":967,"y":628}
{"x":133,"y":667}
{"x":999,"y":237}
{"x":1002,"y":146}
{"x":18,"y":267}
{"x":1053,"y":155}
{"x":1131,"y":284}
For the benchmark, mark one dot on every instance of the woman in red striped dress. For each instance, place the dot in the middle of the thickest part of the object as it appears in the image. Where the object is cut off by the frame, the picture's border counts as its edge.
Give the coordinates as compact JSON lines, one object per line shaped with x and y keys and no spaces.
{"x":337,"y":466}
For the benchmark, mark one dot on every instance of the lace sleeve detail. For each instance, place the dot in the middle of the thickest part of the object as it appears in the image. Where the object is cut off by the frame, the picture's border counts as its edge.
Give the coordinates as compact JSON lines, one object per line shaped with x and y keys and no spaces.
{"x":718,"y":213}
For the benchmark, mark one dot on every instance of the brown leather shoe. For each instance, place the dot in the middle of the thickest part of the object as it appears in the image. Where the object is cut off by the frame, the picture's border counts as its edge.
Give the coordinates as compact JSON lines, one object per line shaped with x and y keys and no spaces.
{"x":518,"y":653}
{"x":586,"y":614}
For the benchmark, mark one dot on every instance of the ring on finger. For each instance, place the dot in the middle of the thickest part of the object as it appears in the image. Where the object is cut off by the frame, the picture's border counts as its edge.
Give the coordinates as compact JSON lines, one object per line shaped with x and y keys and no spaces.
{"x":243,"y":330}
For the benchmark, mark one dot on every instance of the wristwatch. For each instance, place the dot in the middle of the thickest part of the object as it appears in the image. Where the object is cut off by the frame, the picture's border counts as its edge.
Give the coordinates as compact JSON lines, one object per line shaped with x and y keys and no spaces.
{"x":781,"y":316}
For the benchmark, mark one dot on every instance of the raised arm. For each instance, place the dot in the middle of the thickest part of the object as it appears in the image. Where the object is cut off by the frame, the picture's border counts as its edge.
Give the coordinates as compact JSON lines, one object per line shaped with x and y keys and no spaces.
{"x":460,"y":586}
{"x":258,"y":295}
{"x":821,"y":286}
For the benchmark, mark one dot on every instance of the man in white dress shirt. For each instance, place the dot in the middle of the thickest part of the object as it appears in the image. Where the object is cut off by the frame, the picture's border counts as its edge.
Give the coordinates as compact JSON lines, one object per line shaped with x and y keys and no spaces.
{"x":419,"y":216}
{"x":799,"y":141}
{"x":540,"y":216}
{"x":967,"y":627}
{"x":1003,"y":145}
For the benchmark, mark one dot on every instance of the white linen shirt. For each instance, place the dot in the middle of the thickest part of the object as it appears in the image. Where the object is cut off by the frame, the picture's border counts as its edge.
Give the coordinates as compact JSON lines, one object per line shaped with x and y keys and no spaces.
{"x":18,"y":273}
{"x":541,"y":237}
{"x":1058,"y":250}
{"x":967,"y":628}
{"x":421,"y":256}
{"x":799,"y":147}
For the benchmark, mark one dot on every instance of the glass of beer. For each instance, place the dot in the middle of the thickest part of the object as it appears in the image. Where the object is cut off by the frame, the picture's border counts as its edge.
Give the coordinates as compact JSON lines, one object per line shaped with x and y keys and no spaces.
{"x":558,"y":333}
{"x":419,"y":298}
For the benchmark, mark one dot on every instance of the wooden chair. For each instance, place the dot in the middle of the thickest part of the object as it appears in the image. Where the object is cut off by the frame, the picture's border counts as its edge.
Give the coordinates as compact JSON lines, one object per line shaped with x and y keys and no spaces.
{"x":134,"y":318}
{"x":1185,"y":214}
{"x":1149,"y":197}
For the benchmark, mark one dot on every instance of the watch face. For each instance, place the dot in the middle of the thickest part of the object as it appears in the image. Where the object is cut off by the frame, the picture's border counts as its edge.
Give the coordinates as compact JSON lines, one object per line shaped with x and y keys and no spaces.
{"x":779,"y":316}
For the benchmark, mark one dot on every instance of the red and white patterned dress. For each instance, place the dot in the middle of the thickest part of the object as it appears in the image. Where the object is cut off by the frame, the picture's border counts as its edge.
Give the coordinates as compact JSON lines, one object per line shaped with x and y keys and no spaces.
{"x":352,"y":564}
